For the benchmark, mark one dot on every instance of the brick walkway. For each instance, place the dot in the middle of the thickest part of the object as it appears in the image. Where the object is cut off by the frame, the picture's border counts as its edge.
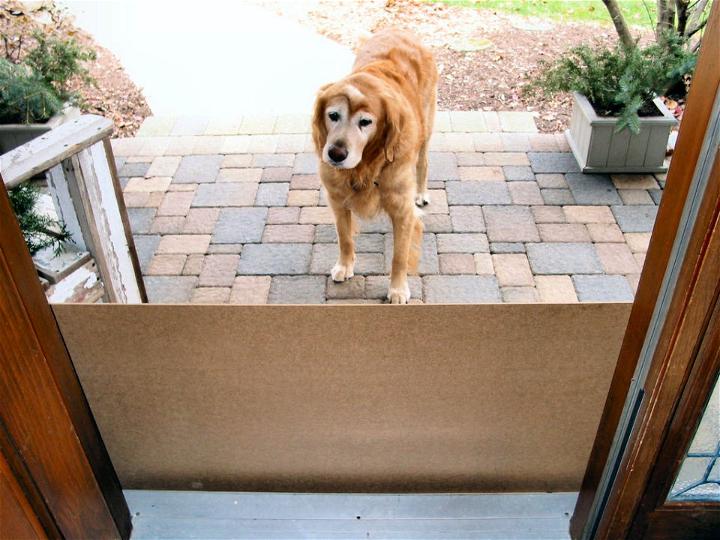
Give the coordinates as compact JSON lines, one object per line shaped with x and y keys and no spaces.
{"x":233,"y":211}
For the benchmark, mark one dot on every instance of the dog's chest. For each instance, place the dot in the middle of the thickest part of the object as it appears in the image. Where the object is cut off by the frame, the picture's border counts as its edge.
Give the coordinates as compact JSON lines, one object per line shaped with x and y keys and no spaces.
{"x":363,"y":200}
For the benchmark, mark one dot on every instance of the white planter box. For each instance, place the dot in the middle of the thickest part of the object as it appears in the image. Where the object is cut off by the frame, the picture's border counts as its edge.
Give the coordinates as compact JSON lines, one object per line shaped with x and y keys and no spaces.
{"x":598,"y":149}
{"x":14,"y":135}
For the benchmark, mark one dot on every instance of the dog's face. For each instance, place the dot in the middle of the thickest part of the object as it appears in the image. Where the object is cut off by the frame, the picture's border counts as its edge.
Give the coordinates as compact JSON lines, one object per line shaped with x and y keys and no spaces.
{"x":348,"y":132}
{"x":352,"y":123}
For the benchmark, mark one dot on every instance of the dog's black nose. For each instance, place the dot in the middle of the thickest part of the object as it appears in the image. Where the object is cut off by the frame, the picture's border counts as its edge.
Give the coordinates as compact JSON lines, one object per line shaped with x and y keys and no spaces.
{"x":337,"y":153}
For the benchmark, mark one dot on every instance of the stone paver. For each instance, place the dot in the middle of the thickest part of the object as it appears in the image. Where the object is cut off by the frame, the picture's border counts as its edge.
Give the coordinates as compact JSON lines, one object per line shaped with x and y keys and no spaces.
{"x":218,"y":271}
{"x":351,"y":288}
{"x":461,"y":289}
{"x":231,"y":194}
{"x":570,"y":258}
{"x":210,"y":295}
{"x":324,"y":257}
{"x":167,"y":225}
{"x":443,"y":166}
{"x":512,"y":269}
{"x":617,"y":259}
{"x":163,"y":166}
{"x":198,"y":169}
{"x":510,"y":224}
{"x":240,"y":225}
{"x":477,"y":193}
{"x":169,"y":290}
{"x":141,"y":219}
{"x":563,"y":232}
{"x":232,"y":210}
{"x":201,"y":220}
{"x":483,"y":263}
{"x":274,"y":259}
{"x":193,"y":265}
{"x":462,"y":243}
{"x":603,"y":289}
{"x":519,"y":295}
{"x":604,"y":232}
{"x":637,"y":242}
{"x":289,"y":233}
{"x":482,"y":174}
{"x":592,"y":189}
{"x":525,"y":193}
{"x":239,"y":175}
{"x":635,"y":219}
{"x":184,"y":243}
{"x":176,"y":203}
{"x":157,"y":184}
{"x":250,"y":290}
{"x":553,"y":162}
{"x":297,"y":290}
{"x":558,"y":197}
{"x":145,"y":246}
{"x":514,"y":173}
{"x":457,"y":263}
{"x":272,"y":194}
{"x":552,"y":181}
{"x":467,"y":219}
{"x":166,"y":265}
{"x":507,"y":247}
{"x":555,"y":289}
{"x":377,"y":286}
{"x":283,"y":216}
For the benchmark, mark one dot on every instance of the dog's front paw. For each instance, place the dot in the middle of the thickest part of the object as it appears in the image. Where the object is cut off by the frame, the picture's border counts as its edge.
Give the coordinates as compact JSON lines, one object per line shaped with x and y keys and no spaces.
{"x":399,"y":295}
{"x":341,"y":272}
{"x":422,"y":199}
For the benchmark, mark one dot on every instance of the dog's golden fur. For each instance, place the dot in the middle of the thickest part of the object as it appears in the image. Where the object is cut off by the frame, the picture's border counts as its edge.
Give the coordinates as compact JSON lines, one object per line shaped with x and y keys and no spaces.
{"x":394,"y":80}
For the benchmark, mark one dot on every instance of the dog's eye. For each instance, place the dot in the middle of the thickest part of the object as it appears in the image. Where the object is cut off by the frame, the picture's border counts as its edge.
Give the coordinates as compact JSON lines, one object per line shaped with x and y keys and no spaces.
{"x":333,"y":116}
{"x":365,"y":122}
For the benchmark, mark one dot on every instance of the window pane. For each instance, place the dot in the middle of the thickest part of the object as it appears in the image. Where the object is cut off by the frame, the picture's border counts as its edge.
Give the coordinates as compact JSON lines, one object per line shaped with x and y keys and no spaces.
{"x":699,"y":476}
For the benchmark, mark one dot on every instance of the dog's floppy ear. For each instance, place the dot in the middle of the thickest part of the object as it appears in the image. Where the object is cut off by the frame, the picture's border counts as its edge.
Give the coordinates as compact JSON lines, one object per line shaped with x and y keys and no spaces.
{"x":393,"y":127}
{"x":319,"y":130}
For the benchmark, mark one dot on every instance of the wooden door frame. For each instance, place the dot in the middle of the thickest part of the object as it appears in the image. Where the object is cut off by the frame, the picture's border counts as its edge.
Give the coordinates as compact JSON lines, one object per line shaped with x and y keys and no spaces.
{"x":654,"y":415}
{"x":51,"y":446}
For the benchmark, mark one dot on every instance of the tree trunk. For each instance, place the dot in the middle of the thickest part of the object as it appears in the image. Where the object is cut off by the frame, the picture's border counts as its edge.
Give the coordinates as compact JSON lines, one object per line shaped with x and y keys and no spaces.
{"x":665,"y":18}
{"x":619,"y":22}
{"x":681,"y":7}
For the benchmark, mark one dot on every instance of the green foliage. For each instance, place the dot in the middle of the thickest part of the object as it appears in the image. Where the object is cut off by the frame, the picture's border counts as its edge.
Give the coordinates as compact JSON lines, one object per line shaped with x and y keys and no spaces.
{"x":637,"y":12}
{"x":620,"y":81}
{"x":35,"y":88}
{"x":25,"y":97}
{"x":39,"y":231}
{"x":57,"y":61}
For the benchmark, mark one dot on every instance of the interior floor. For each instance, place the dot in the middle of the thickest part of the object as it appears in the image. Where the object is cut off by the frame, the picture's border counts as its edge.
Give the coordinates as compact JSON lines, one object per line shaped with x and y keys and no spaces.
{"x":222,"y":515}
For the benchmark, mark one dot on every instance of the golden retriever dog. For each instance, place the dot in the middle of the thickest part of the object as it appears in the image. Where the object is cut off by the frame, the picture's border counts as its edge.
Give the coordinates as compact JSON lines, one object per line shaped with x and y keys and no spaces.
{"x":371,"y":132}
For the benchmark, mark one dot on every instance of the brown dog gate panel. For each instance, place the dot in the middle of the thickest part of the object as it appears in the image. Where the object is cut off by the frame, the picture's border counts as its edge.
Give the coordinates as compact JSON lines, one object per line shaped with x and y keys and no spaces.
{"x":347,"y":398}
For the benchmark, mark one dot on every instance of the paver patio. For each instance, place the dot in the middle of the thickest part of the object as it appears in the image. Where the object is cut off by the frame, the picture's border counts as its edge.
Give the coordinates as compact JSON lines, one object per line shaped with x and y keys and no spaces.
{"x":234,"y":211}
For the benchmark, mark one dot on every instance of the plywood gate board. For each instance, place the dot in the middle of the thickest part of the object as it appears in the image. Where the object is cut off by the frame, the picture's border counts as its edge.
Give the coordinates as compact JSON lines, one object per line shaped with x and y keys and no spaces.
{"x":347,"y":398}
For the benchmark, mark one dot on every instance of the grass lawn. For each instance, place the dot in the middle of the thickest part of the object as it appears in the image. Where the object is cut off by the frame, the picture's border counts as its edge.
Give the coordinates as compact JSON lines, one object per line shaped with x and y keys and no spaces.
{"x":635,"y":11}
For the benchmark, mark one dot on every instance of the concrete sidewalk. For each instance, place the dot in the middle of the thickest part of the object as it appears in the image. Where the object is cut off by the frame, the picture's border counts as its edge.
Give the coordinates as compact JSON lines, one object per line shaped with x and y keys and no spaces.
{"x":233,"y":211}
{"x":214,"y":58}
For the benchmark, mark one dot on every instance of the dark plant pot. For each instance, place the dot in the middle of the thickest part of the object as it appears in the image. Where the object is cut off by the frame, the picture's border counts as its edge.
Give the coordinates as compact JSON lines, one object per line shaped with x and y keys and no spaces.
{"x":14,"y":135}
{"x":599,"y":149}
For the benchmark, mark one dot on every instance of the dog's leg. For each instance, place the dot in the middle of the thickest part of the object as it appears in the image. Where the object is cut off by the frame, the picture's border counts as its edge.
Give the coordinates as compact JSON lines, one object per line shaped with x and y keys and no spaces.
{"x":344,"y":266}
{"x":423,"y":196}
{"x":404,"y":227}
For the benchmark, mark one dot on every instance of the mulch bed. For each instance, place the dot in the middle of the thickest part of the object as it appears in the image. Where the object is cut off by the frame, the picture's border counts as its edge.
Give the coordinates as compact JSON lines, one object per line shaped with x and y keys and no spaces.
{"x":113,"y":95}
{"x":485,"y":58}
